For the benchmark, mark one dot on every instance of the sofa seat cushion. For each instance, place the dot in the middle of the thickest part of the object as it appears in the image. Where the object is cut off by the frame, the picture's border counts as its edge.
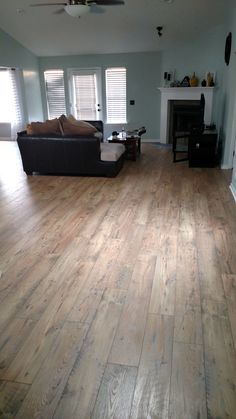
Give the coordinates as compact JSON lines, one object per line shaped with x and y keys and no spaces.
{"x":111,"y":152}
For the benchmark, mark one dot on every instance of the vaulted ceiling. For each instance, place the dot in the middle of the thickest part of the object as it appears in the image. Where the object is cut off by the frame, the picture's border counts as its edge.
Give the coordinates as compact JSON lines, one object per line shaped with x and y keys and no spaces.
{"x":127,"y":28}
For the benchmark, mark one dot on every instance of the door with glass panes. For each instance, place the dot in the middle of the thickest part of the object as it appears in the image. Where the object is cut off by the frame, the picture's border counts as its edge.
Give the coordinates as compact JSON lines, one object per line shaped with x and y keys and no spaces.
{"x":85,"y":93}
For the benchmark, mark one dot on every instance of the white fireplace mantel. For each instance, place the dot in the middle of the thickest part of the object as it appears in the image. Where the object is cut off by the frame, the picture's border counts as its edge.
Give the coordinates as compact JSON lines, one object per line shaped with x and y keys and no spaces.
{"x":183,"y":93}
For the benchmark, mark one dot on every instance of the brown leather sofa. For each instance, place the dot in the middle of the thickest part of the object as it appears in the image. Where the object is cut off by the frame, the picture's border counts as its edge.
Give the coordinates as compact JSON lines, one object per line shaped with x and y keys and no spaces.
{"x":66,"y":155}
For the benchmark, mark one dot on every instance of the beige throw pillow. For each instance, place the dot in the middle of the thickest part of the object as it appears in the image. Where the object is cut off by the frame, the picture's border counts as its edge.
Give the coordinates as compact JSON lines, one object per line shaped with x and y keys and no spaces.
{"x":51,"y":127}
{"x":84,"y":128}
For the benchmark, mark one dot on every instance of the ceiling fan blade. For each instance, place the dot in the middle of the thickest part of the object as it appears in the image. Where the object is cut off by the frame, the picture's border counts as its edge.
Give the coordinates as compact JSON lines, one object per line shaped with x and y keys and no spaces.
{"x":47,"y":4}
{"x":109,"y":2}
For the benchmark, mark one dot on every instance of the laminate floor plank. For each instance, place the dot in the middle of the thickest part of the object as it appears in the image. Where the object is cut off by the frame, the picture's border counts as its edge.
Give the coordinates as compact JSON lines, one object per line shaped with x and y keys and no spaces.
{"x":187,"y":397}
{"x":229,"y":282}
{"x":81,"y":391}
{"x":117,"y":295}
{"x":11,"y":397}
{"x":61,"y":209}
{"x":152,"y":390}
{"x":39,"y":342}
{"x":86,"y":305}
{"x":188,"y":324}
{"x":127,"y":345}
{"x":164,"y":282}
{"x":39,"y":300}
{"x":211,"y":284}
{"x":220,"y":361}
{"x":12,"y":339}
{"x":115,"y":393}
{"x":225,"y":242}
{"x":124,"y":261}
{"x":45,"y":392}
{"x":187,"y":274}
{"x":28,"y":275}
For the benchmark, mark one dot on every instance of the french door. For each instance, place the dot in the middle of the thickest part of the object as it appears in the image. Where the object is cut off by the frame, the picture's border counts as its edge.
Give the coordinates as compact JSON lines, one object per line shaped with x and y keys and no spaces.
{"x":85,"y":93}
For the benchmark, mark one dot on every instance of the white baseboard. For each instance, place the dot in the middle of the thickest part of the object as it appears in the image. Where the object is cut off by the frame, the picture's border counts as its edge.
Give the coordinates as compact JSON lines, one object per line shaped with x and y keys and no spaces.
{"x":6,"y":139}
{"x":226,"y":166}
{"x":233,"y":190}
{"x":145,"y":140}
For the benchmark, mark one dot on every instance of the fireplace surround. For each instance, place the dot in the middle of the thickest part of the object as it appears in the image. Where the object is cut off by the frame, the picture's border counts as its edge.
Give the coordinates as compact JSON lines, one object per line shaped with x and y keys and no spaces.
{"x":185,"y":94}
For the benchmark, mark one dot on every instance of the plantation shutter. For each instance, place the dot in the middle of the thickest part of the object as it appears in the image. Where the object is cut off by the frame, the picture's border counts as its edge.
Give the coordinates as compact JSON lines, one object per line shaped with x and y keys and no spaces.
{"x":55,"y":92}
{"x":116,"y":95}
{"x":85,"y":94}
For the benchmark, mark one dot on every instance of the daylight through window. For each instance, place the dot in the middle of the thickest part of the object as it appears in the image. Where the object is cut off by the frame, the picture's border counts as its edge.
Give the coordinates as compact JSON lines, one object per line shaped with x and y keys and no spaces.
{"x":55,"y":92}
{"x":116,"y":95}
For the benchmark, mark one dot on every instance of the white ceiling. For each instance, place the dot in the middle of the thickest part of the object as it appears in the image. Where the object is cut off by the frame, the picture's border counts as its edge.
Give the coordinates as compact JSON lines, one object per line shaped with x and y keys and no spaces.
{"x":128,"y":28}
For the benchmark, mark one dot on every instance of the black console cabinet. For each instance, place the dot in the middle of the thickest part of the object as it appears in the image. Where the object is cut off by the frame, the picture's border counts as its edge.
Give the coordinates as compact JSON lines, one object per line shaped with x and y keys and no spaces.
{"x":202,"y":149}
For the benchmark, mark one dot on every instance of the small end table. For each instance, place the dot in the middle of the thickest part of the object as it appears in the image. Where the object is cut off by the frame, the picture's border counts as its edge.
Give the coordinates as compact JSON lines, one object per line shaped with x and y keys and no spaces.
{"x":202,"y":149}
{"x":132,"y":144}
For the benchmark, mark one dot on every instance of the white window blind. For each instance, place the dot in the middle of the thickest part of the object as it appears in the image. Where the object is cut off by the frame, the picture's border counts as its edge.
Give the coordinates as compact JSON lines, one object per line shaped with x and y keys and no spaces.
{"x":116,"y":95}
{"x":11,"y":103}
{"x":85,"y":96}
{"x":55,"y":92}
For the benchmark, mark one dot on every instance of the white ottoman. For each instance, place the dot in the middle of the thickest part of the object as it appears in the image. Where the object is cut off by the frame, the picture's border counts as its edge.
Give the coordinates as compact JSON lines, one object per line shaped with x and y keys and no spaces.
{"x":111,"y":152}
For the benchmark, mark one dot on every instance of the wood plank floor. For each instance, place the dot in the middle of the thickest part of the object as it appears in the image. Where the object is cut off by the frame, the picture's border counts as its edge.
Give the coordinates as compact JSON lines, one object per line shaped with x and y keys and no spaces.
{"x":117,"y":295}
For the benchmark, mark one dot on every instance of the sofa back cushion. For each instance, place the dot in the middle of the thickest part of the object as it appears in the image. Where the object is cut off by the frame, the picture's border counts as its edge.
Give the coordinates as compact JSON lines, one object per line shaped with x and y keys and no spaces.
{"x":51,"y":127}
{"x":72,"y":126}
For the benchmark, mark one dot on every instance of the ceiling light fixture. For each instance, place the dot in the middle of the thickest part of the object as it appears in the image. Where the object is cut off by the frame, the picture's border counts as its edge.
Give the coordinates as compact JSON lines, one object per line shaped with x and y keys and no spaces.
{"x":77,"y":10}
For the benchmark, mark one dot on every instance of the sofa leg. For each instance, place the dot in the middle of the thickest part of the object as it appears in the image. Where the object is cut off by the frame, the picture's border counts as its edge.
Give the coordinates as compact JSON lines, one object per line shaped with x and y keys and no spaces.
{"x":29,"y":173}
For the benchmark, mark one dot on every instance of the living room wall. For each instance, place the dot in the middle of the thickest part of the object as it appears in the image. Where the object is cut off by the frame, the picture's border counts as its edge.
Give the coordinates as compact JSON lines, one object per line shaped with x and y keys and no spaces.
{"x":230,"y":100}
{"x":13,"y":54}
{"x":143,"y":78}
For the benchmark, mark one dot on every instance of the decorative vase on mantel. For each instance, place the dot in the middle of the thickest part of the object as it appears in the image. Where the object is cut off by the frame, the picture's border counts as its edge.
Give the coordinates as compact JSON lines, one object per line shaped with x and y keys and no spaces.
{"x":193,"y":81}
{"x":210,"y":80}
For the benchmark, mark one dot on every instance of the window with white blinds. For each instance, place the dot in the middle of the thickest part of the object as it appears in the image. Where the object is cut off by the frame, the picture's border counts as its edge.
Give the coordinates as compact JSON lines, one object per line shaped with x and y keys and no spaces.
{"x":11,"y":103}
{"x":116,"y":95}
{"x":55,"y":93}
{"x":85,"y":96}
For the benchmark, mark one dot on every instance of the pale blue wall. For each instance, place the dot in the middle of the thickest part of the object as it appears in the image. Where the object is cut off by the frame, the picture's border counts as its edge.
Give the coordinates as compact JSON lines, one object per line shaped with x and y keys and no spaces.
{"x":13,"y":54}
{"x":200,"y":54}
{"x":143,"y":78}
{"x":230,"y":99}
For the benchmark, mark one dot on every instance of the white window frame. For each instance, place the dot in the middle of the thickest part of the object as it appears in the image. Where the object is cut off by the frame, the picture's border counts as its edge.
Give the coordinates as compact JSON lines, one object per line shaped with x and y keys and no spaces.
{"x":112,"y":115}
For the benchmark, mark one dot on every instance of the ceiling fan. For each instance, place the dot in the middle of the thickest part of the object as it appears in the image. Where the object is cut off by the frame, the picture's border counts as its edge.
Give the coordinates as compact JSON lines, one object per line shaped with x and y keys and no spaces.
{"x":77,"y":8}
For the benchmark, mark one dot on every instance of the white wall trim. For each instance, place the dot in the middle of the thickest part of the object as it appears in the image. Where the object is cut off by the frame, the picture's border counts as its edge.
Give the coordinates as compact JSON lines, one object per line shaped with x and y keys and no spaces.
{"x":226,"y":166}
{"x":148,"y":140}
{"x":233,"y":190}
{"x":6,"y":139}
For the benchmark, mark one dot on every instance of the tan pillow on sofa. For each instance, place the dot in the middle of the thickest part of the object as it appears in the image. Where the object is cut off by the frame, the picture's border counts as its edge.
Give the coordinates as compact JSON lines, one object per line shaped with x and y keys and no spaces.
{"x":29,"y":129}
{"x":51,"y":127}
{"x":85,"y":127}
{"x":70,"y":129}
